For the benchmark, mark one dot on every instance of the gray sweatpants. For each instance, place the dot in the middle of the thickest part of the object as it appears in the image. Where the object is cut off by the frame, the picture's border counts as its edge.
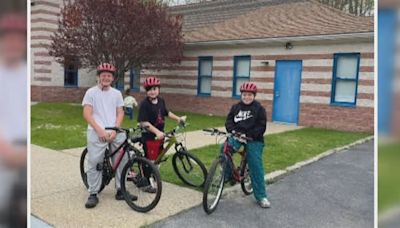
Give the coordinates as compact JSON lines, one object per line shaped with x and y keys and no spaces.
{"x":96,"y":152}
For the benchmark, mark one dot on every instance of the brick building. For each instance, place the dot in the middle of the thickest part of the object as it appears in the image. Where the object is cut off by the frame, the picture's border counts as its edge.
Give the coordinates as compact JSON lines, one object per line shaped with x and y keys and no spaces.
{"x":314,"y":64}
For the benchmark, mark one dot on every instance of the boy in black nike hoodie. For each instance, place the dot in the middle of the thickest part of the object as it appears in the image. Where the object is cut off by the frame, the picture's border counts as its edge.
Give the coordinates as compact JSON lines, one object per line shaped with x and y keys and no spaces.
{"x":249,"y":117}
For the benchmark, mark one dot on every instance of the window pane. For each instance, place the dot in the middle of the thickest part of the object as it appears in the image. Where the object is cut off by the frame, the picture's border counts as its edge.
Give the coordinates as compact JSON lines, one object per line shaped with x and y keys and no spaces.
{"x":345,"y":91}
{"x":243,"y":67}
{"x":205,"y":85}
{"x":239,"y":82}
{"x":205,"y":67}
{"x":346,"y":67}
{"x":70,"y":77}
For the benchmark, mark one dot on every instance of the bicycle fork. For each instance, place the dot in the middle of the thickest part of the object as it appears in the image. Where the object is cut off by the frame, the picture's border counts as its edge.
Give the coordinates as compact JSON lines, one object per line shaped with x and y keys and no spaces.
{"x":186,"y":163}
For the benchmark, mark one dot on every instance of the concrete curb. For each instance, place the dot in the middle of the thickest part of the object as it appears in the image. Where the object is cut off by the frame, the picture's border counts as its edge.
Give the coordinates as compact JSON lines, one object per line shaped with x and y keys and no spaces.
{"x":279,"y":174}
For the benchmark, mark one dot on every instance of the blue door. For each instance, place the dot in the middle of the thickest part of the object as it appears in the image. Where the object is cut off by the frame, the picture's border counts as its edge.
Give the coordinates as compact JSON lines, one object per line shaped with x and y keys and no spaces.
{"x":386,"y":46}
{"x":287,"y":91}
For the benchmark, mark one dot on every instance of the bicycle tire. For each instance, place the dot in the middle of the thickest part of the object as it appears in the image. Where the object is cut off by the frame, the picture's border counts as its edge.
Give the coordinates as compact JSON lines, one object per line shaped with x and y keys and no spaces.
{"x":245,"y":183}
{"x":126,"y":186}
{"x":210,"y":207}
{"x":185,"y":163}
{"x":83,"y":169}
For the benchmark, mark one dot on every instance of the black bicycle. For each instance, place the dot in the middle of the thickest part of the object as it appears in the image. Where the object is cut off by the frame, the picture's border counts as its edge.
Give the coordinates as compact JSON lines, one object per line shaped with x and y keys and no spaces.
{"x":216,"y":177}
{"x":137,"y":174}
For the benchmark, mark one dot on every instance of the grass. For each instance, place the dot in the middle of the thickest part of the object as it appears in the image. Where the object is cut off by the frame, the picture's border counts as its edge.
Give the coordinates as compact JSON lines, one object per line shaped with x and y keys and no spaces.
{"x":61,"y":125}
{"x":388,"y":176}
{"x":281,"y":150}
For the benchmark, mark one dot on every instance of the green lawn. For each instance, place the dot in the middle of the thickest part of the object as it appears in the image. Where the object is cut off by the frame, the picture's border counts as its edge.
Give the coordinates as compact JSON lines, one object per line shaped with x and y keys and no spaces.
{"x":282,"y":150}
{"x":61,"y":125}
{"x":388,"y":175}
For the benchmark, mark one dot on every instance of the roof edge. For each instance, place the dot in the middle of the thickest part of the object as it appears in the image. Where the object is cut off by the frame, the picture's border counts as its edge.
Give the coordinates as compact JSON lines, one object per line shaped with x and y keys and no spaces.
{"x":277,"y":40}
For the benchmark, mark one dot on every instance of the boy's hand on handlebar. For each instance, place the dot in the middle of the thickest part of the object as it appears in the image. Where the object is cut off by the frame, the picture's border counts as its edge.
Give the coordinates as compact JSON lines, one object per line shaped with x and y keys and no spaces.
{"x":242,"y":138}
{"x":102,"y":135}
{"x":160,"y":135}
{"x":182,"y":120}
{"x":111,"y":136}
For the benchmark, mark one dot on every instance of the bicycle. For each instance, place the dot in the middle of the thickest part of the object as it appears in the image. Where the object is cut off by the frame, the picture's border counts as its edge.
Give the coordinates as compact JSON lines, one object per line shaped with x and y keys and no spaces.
{"x":132,"y":176}
{"x":216,"y":177}
{"x":187,"y":166}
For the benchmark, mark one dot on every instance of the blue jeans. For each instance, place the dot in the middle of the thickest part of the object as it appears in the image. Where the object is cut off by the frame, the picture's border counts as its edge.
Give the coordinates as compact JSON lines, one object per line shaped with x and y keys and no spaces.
{"x":129,"y":112}
{"x":254,"y":160}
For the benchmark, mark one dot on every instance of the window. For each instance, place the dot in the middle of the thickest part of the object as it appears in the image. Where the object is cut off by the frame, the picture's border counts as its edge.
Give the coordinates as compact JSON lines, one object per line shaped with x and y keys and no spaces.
{"x":71,"y":75}
{"x":345,"y":79}
{"x":205,"y":76}
{"x":241,"y":73}
{"x":134,"y":79}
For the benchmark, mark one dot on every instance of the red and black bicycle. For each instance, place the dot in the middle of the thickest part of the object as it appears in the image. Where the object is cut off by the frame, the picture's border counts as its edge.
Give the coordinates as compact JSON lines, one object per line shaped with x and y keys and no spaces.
{"x":137,"y":173}
{"x":216,"y":177}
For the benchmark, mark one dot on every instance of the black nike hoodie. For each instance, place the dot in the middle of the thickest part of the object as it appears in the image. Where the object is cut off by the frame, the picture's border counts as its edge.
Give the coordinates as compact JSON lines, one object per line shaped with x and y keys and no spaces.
{"x":248,"y":119}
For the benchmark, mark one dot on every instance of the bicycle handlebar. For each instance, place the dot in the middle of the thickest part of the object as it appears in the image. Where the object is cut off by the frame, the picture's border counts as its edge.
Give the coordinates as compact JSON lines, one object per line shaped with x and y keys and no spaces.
{"x":172,"y":132}
{"x":127,"y":131}
{"x":120,"y":129}
{"x":215,"y":131}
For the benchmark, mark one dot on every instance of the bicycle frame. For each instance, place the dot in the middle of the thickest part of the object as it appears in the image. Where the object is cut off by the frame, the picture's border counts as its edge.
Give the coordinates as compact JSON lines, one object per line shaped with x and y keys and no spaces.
{"x":118,"y":160}
{"x":228,"y":153}
{"x":171,"y":141}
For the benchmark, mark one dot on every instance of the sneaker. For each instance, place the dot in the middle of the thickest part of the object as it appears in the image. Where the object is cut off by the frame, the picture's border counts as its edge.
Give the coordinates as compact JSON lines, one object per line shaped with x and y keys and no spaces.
{"x":140,"y":181}
{"x":120,"y":196}
{"x":92,"y":201}
{"x":264,"y":203}
{"x":149,"y":189}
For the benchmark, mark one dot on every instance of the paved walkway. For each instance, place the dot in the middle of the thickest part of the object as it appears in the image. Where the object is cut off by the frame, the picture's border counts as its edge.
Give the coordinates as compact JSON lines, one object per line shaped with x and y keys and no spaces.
{"x":58,"y":194}
{"x":337,"y":191}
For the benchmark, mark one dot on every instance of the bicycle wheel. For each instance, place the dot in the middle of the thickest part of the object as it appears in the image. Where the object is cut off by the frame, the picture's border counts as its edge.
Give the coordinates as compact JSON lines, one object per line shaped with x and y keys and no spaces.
{"x":136,"y":181}
{"x":84,"y":167}
{"x":214,"y":185}
{"x":245,"y":183}
{"x":189,"y":169}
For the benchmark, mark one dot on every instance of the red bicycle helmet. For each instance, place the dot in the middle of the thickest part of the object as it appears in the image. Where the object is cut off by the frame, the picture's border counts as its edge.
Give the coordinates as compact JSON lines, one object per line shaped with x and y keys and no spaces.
{"x":105,"y":67}
{"x":151,"y":82}
{"x":248,"y":87}
{"x":13,"y":22}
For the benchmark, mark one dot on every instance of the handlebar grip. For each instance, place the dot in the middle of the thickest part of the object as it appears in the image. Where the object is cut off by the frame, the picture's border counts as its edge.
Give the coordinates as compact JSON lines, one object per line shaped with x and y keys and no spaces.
{"x":249,"y":138}
{"x":119,"y":129}
{"x":208,"y":130}
{"x":114,"y":129}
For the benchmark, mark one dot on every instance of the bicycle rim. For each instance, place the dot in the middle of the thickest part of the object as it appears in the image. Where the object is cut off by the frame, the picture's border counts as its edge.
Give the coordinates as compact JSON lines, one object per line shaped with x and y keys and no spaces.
{"x":84,"y":167}
{"x":214,"y":186}
{"x":139,"y":178}
{"x":246,"y":184}
{"x":189,"y":169}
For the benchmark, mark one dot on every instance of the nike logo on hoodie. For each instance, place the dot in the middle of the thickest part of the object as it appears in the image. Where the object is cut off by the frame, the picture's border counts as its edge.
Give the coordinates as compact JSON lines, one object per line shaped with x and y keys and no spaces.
{"x":242,"y":115}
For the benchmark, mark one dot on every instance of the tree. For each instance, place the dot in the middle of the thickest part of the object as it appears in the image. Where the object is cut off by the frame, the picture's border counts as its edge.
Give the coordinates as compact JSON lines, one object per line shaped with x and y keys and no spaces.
{"x":356,"y":7}
{"x":126,"y":33}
